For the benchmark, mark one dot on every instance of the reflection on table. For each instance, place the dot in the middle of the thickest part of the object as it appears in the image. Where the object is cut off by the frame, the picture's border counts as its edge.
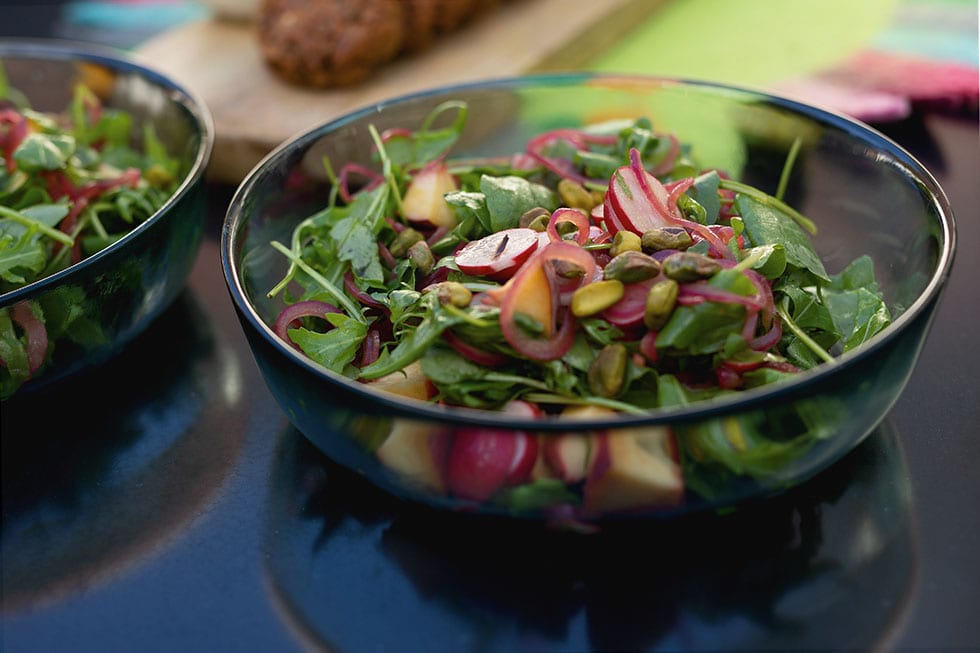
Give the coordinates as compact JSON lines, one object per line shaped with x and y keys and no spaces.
{"x":127,"y":456}
{"x":825,"y":566}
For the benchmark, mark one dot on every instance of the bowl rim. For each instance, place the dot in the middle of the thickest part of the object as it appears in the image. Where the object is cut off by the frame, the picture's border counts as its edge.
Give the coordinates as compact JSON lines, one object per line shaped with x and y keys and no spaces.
{"x":67,"y":50}
{"x":736,"y":402}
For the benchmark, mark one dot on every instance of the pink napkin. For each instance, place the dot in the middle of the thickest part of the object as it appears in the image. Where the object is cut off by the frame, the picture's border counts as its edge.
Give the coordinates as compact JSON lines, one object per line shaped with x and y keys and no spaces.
{"x":878,"y":86}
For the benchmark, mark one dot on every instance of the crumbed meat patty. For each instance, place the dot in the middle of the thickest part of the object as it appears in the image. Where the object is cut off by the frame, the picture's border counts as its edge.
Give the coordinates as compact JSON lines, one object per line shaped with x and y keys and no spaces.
{"x":324,"y":43}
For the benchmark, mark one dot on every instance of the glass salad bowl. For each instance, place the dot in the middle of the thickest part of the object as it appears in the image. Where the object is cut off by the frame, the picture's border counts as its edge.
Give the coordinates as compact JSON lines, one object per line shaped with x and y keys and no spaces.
{"x":84,"y":272}
{"x":557,"y":452}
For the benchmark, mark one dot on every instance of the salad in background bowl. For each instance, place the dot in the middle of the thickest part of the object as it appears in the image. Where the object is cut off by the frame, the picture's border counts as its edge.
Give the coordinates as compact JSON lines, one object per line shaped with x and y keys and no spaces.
{"x":582,"y":297}
{"x":101,"y":204}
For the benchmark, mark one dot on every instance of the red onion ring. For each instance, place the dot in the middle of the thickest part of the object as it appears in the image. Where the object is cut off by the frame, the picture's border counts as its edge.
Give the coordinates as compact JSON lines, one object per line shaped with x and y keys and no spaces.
{"x":37,"y":335}
{"x":371,"y":348}
{"x":577,"y":218}
{"x":354,"y":291}
{"x":293,"y":312}
{"x":470,"y":352}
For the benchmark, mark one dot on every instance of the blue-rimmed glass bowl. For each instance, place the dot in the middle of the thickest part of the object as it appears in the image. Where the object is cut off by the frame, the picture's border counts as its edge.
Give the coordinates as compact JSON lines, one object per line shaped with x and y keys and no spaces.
{"x":867,"y":195}
{"x":115,"y":293}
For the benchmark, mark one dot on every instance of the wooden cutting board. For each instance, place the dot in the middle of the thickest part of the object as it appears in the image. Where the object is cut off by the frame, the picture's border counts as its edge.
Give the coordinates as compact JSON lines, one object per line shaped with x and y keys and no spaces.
{"x":254,"y":110}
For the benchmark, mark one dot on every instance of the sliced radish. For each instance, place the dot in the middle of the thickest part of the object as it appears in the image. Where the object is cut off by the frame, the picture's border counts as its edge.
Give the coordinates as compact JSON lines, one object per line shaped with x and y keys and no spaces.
{"x":482,"y":461}
{"x":636,"y":200}
{"x":498,"y":255}
{"x":629,"y":310}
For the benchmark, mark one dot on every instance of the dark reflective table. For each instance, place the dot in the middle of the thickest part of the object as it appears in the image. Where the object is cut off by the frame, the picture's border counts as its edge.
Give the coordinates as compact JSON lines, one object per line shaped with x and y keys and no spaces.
{"x":163,"y":502}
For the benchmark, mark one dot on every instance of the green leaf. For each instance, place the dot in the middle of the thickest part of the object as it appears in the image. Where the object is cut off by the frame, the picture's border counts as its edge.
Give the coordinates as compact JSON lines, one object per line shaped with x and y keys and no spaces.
{"x":40,"y":151}
{"x":69,"y":313}
{"x":859,"y":274}
{"x":704,"y":328}
{"x":21,"y":256}
{"x":356,"y":235}
{"x":47,"y":214}
{"x":414,"y":344}
{"x":765,"y":225}
{"x":539,"y":495}
{"x":445,"y":366}
{"x":808,"y":312}
{"x":13,"y":351}
{"x":767,"y":260}
{"x":508,"y":198}
{"x":705,"y":192}
{"x":764,"y":376}
{"x":336,"y":348}
{"x":855,"y":304}
{"x":473,"y":205}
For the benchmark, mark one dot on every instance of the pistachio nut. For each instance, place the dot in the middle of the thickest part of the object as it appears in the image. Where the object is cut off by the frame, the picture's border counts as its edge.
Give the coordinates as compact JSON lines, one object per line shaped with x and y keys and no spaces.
{"x":565,"y":269}
{"x":540,"y":223}
{"x":631,"y":266}
{"x":607,"y":373}
{"x":625,"y":241}
{"x":660,"y":238}
{"x":565,"y":227}
{"x":422,"y":257}
{"x":451,"y":292}
{"x":596,"y":297}
{"x":689,"y":266}
{"x":403,"y":240}
{"x":661,"y":300}
{"x":573,"y":194}
{"x":531,"y":215}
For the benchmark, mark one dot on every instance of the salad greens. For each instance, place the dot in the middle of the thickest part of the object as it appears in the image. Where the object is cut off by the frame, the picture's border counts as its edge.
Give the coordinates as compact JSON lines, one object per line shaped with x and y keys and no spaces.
{"x":71,"y":184}
{"x":599,"y":268}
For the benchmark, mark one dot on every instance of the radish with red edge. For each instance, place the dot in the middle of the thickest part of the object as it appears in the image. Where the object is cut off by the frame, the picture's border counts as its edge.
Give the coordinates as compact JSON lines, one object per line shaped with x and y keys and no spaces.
{"x":499,"y":255}
{"x":482,"y":461}
{"x":636,"y":200}
{"x":629,"y":310}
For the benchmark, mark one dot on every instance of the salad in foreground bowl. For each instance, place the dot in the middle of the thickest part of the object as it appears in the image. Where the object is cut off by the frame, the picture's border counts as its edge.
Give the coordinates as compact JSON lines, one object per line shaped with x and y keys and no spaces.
{"x":599,"y":270}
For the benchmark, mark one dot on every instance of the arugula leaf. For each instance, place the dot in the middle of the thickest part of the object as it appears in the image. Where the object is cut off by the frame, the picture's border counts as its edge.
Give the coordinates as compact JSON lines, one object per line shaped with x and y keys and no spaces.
{"x":24,"y":254}
{"x":39,"y":151}
{"x":355,"y":236}
{"x":855,"y":304}
{"x":808,"y":312}
{"x":414,"y":343}
{"x":765,"y":225}
{"x":472,"y":205}
{"x":532,"y":497}
{"x":13,"y":351}
{"x":68,"y":313}
{"x":705,"y":192}
{"x":446,"y":367}
{"x":758,"y":444}
{"x":767,"y":260}
{"x":336,"y":348}
{"x":704,"y":328}
{"x":508,"y":198}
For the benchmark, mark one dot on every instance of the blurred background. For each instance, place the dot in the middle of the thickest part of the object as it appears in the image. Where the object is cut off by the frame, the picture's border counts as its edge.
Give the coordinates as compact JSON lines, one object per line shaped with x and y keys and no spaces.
{"x":874,"y":58}
{"x":880,"y":61}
